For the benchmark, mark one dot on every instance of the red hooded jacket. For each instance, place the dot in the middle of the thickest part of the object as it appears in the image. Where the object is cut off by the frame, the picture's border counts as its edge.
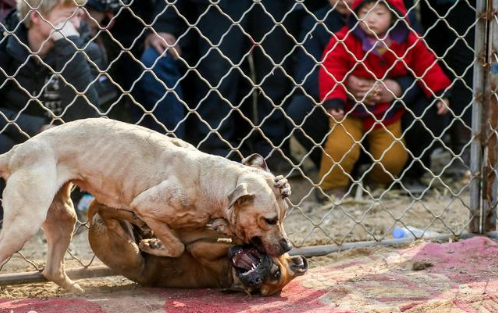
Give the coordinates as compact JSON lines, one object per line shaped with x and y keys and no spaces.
{"x":407,"y":54}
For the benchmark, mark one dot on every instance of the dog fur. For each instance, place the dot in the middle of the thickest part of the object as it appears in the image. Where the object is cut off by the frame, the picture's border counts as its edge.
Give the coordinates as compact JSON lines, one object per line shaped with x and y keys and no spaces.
{"x":205,"y":263}
{"x":166,"y":182}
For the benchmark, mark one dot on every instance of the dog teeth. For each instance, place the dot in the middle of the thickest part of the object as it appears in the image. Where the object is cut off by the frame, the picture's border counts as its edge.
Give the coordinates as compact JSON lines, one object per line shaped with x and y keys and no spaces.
{"x":249,"y":271}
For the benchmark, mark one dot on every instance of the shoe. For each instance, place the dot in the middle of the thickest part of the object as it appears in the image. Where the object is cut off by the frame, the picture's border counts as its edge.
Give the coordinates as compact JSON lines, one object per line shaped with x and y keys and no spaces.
{"x":325,"y":196}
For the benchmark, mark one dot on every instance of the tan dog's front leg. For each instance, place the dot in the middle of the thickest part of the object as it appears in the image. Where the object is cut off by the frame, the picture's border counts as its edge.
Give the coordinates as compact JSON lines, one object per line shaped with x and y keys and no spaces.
{"x":155,"y":206}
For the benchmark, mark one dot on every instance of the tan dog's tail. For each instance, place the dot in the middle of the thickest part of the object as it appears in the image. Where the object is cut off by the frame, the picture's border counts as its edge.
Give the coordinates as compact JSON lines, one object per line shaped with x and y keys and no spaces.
{"x":4,"y":163}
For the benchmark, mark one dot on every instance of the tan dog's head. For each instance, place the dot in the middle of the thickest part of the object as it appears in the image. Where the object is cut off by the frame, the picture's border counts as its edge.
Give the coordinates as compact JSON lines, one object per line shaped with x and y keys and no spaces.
{"x":257,"y":209}
{"x":255,"y":271}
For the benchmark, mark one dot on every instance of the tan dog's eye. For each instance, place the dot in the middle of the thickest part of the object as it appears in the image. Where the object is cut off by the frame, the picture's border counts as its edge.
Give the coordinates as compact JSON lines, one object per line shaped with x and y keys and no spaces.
{"x":271,"y":221}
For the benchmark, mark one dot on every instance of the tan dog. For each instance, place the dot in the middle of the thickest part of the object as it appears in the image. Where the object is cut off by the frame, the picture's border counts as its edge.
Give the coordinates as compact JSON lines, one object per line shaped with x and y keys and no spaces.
{"x":207,"y":262}
{"x":168,"y":184}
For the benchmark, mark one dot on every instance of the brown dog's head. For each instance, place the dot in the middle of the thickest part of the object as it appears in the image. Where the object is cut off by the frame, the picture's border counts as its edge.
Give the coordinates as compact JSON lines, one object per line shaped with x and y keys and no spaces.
{"x":257,"y":271}
{"x":257,"y":210}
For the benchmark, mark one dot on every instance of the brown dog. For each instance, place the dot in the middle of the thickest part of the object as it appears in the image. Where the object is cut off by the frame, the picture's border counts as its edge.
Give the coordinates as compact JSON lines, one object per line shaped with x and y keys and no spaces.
{"x":207,"y":262}
{"x":167,"y":183}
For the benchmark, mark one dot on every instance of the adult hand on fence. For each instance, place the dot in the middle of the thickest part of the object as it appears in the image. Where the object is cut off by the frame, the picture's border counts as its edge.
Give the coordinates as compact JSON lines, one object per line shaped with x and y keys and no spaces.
{"x":164,"y":41}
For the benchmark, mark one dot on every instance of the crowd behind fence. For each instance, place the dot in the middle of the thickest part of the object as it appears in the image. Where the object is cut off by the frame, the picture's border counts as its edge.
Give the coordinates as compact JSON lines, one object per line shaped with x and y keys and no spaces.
{"x":366,"y":106}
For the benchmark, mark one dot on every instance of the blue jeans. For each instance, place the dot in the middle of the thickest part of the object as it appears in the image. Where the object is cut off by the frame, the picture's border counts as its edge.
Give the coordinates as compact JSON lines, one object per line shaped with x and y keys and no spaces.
{"x":152,"y":95}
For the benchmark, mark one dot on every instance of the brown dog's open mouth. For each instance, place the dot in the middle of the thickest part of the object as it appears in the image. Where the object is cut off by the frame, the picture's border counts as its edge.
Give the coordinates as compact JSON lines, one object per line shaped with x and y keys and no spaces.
{"x":246,"y":261}
{"x":251,"y":266}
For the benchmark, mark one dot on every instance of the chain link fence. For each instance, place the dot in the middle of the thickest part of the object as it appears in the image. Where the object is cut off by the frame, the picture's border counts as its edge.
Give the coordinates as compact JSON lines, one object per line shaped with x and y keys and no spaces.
{"x":354,"y":116}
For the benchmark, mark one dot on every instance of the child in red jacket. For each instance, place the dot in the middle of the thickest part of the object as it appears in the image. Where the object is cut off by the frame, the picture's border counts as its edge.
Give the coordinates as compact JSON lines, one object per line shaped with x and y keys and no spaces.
{"x":378,"y":44}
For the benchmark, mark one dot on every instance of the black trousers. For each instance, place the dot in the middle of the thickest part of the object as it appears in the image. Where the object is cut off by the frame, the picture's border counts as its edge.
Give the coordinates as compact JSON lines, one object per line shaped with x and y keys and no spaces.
{"x":221,"y":85}
{"x":454,"y":39}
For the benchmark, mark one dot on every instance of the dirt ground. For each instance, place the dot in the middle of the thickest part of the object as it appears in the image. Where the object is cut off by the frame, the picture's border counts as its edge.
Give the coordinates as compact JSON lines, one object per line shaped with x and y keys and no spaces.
{"x":423,"y":277}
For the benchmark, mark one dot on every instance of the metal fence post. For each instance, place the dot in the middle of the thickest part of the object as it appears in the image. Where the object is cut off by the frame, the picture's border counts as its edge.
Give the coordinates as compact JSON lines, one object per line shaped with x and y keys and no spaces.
{"x":485,"y":119}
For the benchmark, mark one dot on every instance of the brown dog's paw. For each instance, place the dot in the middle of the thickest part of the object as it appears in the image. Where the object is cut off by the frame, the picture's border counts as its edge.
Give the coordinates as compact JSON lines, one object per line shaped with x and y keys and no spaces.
{"x":220,"y":225}
{"x":151,"y":244}
{"x":283,"y":185}
{"x":155,"y":247}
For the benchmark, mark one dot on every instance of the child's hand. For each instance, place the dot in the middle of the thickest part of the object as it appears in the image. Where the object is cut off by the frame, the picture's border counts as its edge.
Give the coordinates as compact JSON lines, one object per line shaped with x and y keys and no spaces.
{"x":336,"y":113}
{"x":443,"y":106}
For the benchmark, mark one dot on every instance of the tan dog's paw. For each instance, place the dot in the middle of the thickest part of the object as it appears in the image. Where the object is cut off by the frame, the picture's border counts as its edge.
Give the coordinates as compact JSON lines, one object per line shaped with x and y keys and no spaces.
{"x":155,"y":247}
{"x":220,"y":225}
{"x":284,"y":186}
{"x":75,"y":288}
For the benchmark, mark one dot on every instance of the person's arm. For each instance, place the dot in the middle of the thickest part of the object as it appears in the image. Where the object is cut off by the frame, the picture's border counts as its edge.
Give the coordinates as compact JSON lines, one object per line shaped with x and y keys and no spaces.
{"x":434,"y":81}
{"x":168,"y":26}
{"x":410,"y":90}
{"x":76,"y":72}
{"x":332,"y":74}
{"x":308,"y":58}
{"x":30,"y":124}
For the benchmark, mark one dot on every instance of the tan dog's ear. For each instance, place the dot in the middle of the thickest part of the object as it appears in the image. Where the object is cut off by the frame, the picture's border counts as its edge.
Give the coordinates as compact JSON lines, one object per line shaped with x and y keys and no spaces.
{"x":299,"y":265}
{"x":256,"y":160}
{"x":240,"y":195}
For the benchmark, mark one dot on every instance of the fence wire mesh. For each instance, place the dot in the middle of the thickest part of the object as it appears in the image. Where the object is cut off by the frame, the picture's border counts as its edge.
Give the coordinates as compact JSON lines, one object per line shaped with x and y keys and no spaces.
{"x":345,"y":98}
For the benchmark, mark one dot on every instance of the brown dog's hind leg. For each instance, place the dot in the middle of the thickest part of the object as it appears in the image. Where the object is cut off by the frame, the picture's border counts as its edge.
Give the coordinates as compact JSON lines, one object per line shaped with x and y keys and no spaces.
{"x":108,"y":213}
{"x":111,"y":239}
{"x":112,"y":219}
{"x":58,"y":228}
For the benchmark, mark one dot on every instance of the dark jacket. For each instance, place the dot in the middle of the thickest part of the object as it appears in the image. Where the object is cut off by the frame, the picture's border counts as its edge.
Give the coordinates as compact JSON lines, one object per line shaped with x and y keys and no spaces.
{"x":32,"y":91}
{"x":348,"y":46}
{"x":315,"y":37}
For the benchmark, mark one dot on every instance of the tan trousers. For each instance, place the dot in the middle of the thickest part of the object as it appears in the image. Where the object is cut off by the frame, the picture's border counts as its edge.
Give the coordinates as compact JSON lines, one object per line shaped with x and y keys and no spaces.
{"x":343,"y":147}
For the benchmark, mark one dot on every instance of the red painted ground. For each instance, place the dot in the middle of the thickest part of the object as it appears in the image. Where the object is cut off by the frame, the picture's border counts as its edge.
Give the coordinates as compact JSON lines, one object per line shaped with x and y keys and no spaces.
{"x":461,"y":277}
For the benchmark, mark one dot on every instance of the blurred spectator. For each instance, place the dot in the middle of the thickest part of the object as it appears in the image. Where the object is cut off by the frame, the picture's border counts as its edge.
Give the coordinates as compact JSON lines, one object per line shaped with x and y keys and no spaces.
{"x":121,"y":32}
{"x":271,"y":49}
{"x":215,"y":50}
{"x":378,"y":37}
{"x":452,"y":37}
{"x":100,"y":14}
{"x":306,"y":112}
{"x":304,"y":109}
{"x":162,"y":96}
{"x":41,"y":70}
